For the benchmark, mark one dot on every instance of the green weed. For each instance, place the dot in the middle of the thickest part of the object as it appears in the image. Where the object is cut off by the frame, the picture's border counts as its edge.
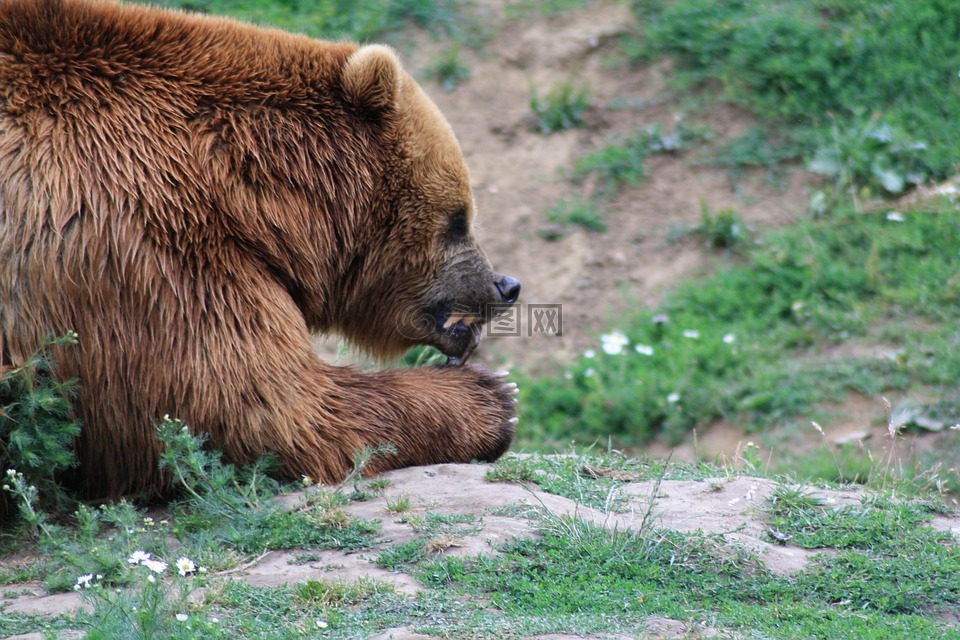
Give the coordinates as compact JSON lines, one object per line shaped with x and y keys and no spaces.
{"x":401,"y":504}
{"x":401,"y":556}
{"x":449,"y":69}
{"x":339,"y":592}
{"x":869,"y":154}
{"x":722,"y":230}
{"x":564,"y":107}
{"x":757,"y":148}
{"x":524,"y":8}
{"x":37,"y":429}
{"x":621,"y":163}
{"x":579,"y":212}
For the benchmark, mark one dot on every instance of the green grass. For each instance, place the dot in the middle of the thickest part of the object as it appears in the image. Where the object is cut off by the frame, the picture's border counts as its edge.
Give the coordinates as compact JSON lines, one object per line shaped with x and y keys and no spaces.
{"x":744,"y":342}
{"x":613,"y":168}
{"x":610,"y":580}
{"x":563,"y":107}
{"x":889,"y":575}
{"x":449,"y":69}
{"x":620,"y":164}
{"x":824,"y":68}
{"x":578,"y":212}
{"x":361,"y":20}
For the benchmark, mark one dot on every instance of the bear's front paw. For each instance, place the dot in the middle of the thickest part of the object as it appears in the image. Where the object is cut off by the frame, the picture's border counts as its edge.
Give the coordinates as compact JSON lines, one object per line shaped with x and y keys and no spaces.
{"x":500,"y":404}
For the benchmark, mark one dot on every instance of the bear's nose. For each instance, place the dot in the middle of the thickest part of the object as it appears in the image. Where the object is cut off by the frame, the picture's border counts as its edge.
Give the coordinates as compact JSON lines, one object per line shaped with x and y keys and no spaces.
{"x":509,"y":288}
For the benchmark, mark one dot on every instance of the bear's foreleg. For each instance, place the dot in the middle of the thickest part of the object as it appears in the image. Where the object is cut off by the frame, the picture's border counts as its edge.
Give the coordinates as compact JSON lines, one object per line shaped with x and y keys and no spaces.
{"x":425,"y":415}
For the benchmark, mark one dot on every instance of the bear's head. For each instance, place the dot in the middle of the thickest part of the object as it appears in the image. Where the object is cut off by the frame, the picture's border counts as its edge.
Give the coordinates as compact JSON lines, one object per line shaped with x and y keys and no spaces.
{"x":424,"y":278}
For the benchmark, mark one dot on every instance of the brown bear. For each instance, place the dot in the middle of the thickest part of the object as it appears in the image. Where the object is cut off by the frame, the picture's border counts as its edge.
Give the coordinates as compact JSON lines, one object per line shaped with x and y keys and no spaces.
{"x":194,"y":196}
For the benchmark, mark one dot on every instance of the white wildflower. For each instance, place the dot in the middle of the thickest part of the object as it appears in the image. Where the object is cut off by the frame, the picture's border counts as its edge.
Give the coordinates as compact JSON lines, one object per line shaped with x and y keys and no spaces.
{"x":157,"y":566}
{"x":673,"y":398}
{"x":138,"y":557}
{"x":644,"y":350}
{"x":589,"y":353}
{"x":693,"y":334}
{"x":895,"y":216}
{"x":322,"y":624}
{"x":84,"y":581}
{"x":182,"y":617}
{"x":186,"y":566}
{"x":613,"y":342}
{"x":729,"y":338}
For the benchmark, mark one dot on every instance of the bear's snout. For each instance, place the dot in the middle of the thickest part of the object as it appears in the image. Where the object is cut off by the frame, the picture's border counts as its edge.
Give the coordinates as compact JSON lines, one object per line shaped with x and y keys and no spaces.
{"x":509,"y":288}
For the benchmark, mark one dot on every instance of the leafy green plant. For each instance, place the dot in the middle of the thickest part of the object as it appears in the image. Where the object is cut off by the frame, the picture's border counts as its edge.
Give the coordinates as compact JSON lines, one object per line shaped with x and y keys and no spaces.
{"x":401,"y":556}
{"x":579,"y":212}
{"x":232,"y":504}
{"x":524,"y":8}
{"x":422,"y":356}
{"x":449,"y":68}
{"x":722,"y":230}
{"x":869,"y":155}
{"x":621,"y":164}
{"x":37,"y":425}
{"x":340,"y":592}
{"x":211,"y":487}
{"x":564,"y":107}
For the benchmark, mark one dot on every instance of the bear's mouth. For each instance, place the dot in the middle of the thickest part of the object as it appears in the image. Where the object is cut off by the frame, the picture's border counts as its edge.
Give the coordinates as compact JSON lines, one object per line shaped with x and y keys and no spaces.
{"x":460,"y":334}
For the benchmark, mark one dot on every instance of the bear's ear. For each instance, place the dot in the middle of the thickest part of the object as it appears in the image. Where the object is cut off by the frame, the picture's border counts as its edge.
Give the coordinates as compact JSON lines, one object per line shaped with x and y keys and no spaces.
{"x":371,"y":77}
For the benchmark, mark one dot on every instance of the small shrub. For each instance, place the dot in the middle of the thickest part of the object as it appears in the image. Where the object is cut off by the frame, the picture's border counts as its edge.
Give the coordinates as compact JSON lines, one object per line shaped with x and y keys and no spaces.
{"x":449,"y":69}
{"x":562,"y":108}
{"x":582,"y":213}
{"x":870,"y":156}
{"x":37,"y":426}
{"x":723,"y":230}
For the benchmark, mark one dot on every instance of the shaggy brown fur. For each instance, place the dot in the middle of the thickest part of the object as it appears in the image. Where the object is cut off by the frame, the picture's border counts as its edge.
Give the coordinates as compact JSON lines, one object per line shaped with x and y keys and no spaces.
{"x":193,"y":196}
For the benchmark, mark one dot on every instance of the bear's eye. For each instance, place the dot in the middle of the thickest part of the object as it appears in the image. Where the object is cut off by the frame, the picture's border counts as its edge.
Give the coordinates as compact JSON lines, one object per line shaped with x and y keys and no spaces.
{"x":458,"y":227}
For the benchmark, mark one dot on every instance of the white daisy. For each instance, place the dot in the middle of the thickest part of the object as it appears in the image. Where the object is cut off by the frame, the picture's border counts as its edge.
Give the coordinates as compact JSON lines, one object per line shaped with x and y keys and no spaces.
{"x":185,"y":566}
{"x":613,"y":342}
{"x":157,"y":566}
